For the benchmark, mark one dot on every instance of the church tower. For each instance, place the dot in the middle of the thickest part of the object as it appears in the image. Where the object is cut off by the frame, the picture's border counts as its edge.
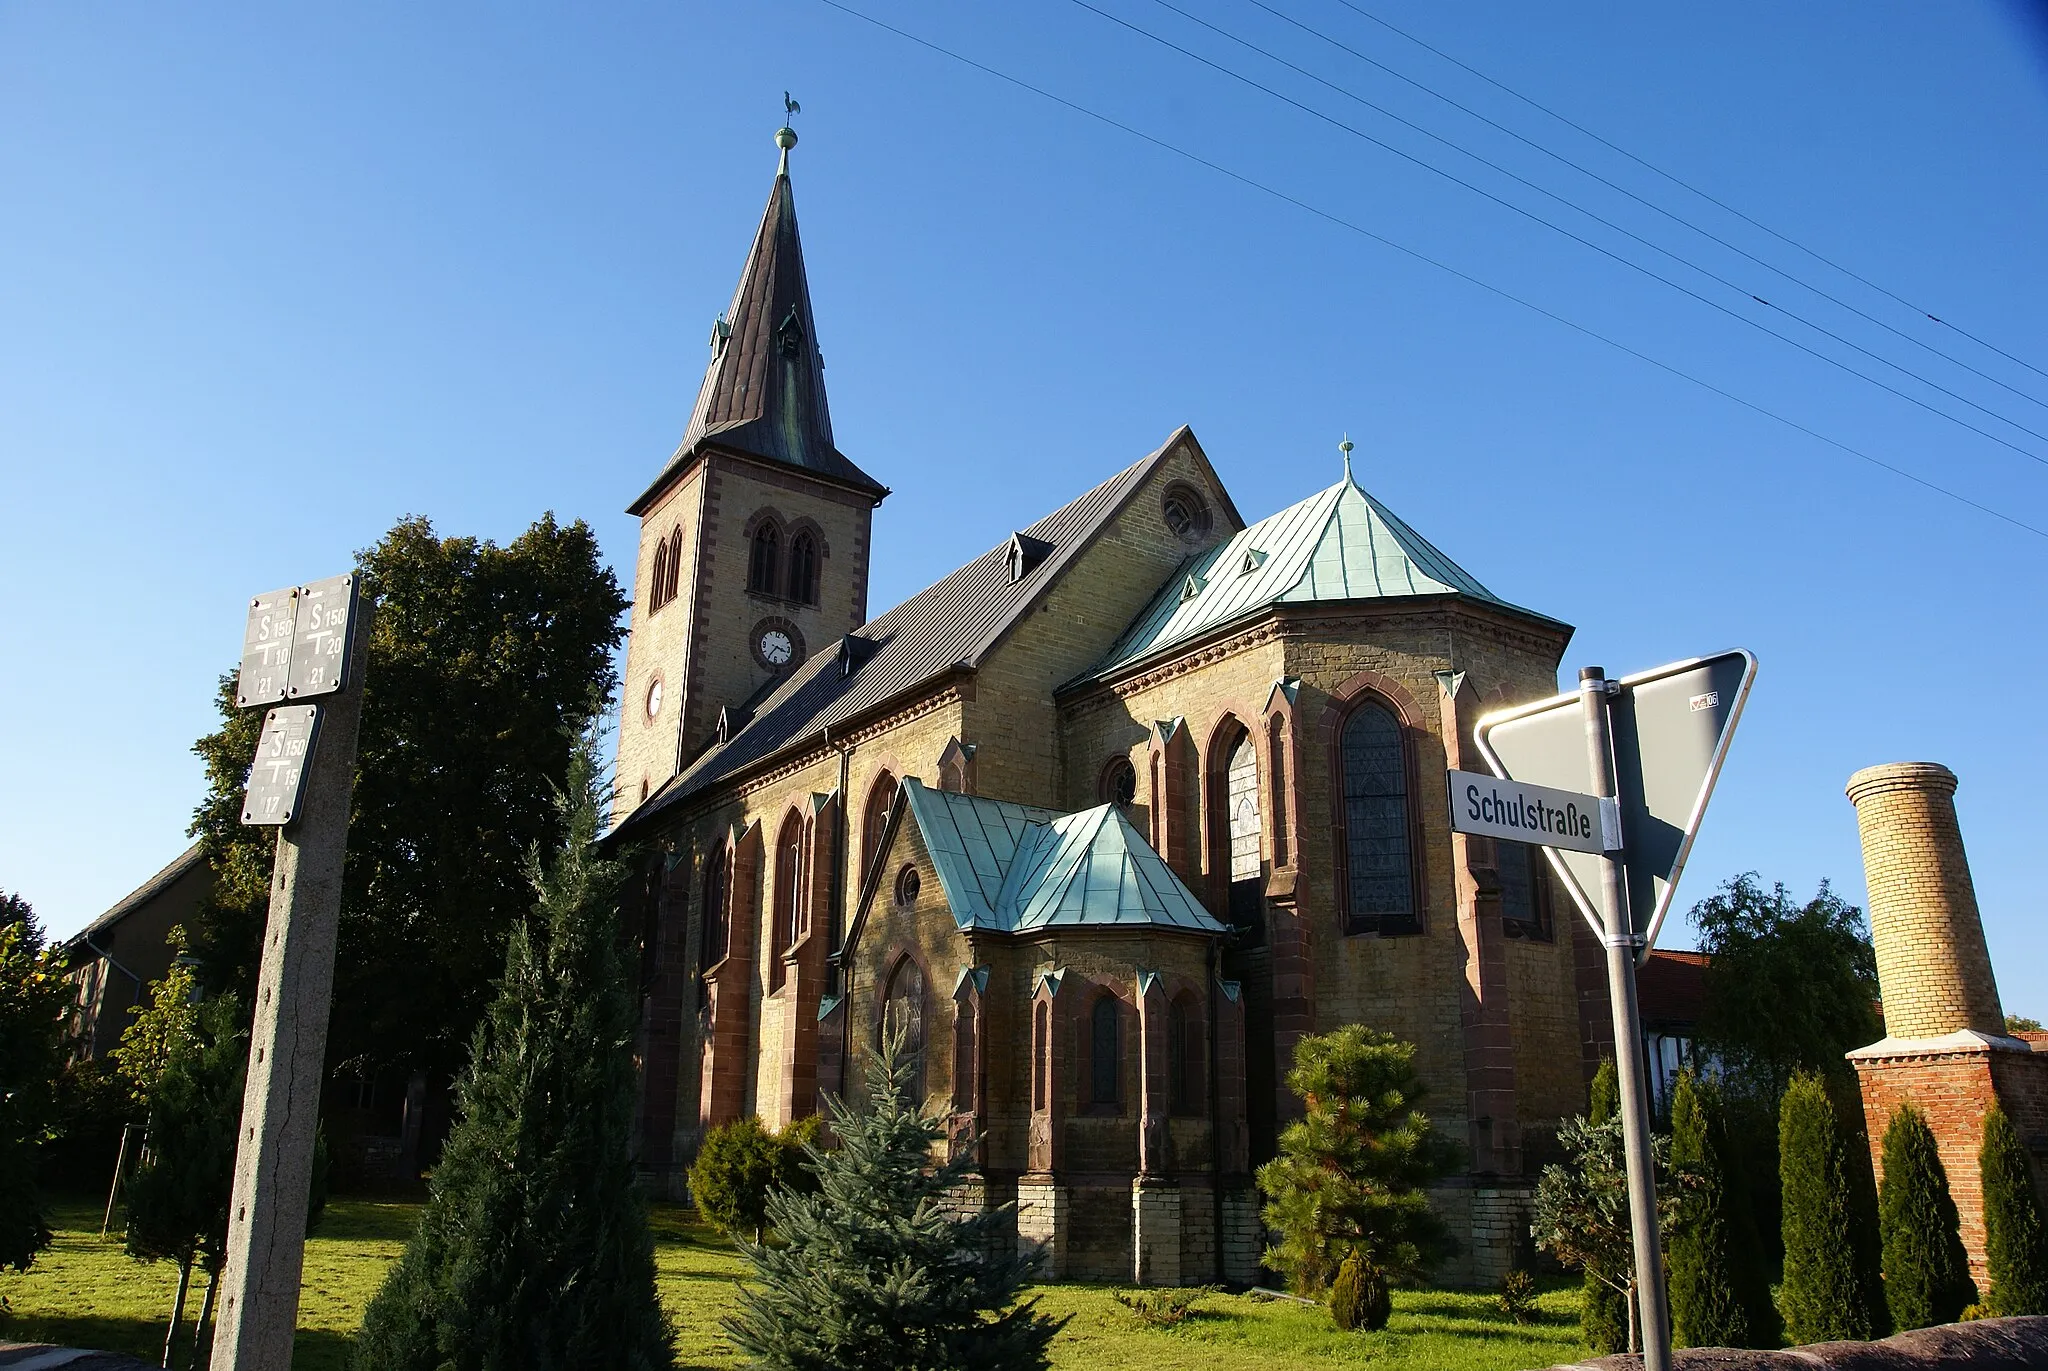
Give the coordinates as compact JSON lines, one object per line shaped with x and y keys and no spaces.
{"x":754,"y":537}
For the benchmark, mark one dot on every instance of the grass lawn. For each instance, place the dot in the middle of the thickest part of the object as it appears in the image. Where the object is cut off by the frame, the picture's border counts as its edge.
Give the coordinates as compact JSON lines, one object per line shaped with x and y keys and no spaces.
{"x":83,"y":1291}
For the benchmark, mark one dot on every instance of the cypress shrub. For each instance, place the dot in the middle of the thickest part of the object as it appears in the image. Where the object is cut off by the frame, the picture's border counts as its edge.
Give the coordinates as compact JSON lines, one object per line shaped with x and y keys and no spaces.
{"x":2015,"y":1246}
{"x":534,"y":1250}
{"x":1831,"y":1289}
{"x":1359,"y":1300}
{"x":1926,"y":1274}
{"x":1603,"y":1310}
{"x":1720,"y":1291}
{"x":735,"y":1169}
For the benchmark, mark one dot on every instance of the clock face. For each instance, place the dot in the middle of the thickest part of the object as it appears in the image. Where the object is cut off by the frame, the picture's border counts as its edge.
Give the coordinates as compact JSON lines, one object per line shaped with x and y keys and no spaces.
{"x":654,"y":699}
{"x":775,"y":647}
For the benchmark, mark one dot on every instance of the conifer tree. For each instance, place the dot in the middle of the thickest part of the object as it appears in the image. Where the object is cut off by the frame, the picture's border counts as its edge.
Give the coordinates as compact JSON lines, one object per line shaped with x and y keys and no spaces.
{"x":1353,"y":1171}
{"x":1720,"y":1293}
{"x":1603,"y":1303}
{"x":875,"y":1269}
{"x":1831,"y":1289}
{"x":2015,"y":1244}
{"x":33,"y":997}
{"x":1926,"y":1273}
{"x":534,"y":1251}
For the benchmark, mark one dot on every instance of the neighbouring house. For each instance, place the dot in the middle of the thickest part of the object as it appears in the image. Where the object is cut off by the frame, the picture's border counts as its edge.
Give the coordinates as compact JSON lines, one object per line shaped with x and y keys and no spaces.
{"x":1671,"y":993}
{"x":114,"y":958}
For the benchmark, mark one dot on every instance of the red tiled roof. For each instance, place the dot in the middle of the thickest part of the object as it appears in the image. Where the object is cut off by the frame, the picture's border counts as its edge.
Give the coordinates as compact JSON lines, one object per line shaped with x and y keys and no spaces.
{"x":1671,"y":988}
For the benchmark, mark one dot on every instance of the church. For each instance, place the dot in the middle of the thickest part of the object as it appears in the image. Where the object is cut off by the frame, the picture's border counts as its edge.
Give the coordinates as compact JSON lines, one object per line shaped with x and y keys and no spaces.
{"x":1103,"y":821}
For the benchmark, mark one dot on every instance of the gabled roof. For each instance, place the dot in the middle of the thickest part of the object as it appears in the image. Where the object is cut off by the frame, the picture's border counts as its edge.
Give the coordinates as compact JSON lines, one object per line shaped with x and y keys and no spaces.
{"x":764,"y":389}
{"x":186,"y":862}
{"x":1013,"y":868}
{"x":1338,"y":544}
{"x":947,"y":626}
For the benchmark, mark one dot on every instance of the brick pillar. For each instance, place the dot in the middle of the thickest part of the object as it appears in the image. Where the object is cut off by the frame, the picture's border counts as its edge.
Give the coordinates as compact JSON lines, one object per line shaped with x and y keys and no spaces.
{"x":728,"y":990}
{"x":1945,"y":1049}
{"x":667,"y":955}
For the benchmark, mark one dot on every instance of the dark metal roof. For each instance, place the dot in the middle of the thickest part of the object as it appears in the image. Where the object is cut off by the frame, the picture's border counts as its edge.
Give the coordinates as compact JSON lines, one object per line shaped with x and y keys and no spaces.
{"x":948,"y":626}
{"x":764,"y":390}
{"x":180,"y":867}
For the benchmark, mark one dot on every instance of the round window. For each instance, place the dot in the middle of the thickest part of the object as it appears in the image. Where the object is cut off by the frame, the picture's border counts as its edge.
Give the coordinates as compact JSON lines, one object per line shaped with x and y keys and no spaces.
{"x":1120,"y":783}
{"x":1186,"y":513}
{"x":654,"y":697}
{"x":907,"y":884}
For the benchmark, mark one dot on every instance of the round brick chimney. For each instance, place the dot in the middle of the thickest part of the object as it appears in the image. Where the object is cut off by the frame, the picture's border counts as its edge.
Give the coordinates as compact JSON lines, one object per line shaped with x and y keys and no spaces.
{"x":1932,"y":966}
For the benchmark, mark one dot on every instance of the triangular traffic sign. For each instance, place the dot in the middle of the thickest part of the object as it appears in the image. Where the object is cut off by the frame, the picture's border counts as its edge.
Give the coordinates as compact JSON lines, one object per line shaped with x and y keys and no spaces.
{"x":1671,"y":728}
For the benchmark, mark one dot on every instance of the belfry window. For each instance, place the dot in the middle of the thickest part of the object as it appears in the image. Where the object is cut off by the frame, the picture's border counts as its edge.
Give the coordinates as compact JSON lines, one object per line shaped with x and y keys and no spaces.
{"x":1379,"y":867}
{"x":803,"y":568}
{"x":765,"y":559}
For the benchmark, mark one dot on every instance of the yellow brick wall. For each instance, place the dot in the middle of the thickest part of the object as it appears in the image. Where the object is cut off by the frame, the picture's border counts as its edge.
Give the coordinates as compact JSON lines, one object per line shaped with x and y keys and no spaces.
{"x":657,"y":647}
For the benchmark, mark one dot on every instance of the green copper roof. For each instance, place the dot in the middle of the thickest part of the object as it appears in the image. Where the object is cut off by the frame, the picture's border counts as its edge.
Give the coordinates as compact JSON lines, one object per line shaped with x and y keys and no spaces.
{"x":1013,"y":868}
{"x":1338,"y":544}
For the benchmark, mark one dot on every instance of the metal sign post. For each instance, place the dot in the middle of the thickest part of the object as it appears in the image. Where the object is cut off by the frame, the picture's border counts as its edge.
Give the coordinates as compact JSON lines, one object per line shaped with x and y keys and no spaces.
{"x":1652,"y":1305}
{"x":302,"y":783}
{"x":1646,"y":751}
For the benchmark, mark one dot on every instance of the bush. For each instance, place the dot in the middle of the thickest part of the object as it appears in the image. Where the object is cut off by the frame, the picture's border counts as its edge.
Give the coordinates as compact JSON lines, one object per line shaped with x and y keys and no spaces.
{"x":736,"y":1167}
{"x":93,"y":1104}
{"x":1603,"y":1303}
{"x":1359,"y":1301}
{"x":1831,"y":1291}
{"x":1353,"y":1172}
{"x":2015,"y":1248}
{"x":1720,"y":1292}
{"x":1926,"y":1274}
{"x":1162,"y":1308}
{"x":1518,"y":1296}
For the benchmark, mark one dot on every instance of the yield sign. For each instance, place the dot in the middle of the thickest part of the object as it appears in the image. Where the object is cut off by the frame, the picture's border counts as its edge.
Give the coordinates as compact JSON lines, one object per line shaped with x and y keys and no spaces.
{"x":1671,"y":728}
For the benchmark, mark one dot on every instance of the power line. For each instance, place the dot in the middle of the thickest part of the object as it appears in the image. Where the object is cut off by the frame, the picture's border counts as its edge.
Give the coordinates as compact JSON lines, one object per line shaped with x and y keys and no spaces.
{"x":1688,"y":186}
{"x":1609,"y":253}
{"x":1620,"y":189}
{"x":1417,"y":255}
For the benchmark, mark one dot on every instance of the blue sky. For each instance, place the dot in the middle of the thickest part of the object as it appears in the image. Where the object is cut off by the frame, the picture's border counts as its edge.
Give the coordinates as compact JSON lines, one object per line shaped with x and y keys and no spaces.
{"x":271,"y":279}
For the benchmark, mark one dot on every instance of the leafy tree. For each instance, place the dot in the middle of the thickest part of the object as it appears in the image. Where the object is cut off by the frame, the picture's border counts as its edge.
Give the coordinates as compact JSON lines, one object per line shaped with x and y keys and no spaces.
{"x":482,"y":662}
{"x":2015,"y":1244}
{"x":2020,"y":1023}
{"x":1831,"y":1289}
{"x":876,"y":1269}
{"x":1582,"y":1211}
{"x":178,"y":1197}
{"x":1926,"y":1273}
{"x":1720,"y":1290}
{"x":1353,"y":1171}
{"x":33,"y":996}
{"x":162,"y":1026}
{"x":1789,"y":987}
{"x":1603,"y":1297}
{"x":93,"y":1104}
{"x":534,"y":1249}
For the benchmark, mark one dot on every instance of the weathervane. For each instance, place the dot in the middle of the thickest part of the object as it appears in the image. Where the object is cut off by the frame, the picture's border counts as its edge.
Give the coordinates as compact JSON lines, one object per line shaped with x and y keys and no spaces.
{"x":785,"y":137}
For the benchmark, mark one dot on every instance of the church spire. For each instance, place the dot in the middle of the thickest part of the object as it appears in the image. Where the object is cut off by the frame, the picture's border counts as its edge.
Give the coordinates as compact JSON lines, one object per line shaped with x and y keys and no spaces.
{"x":764,"y":388}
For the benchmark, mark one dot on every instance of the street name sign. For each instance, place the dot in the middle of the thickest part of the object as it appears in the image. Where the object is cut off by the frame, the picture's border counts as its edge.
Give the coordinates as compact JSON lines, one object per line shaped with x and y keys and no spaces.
{"x":320,"y":637}
{"x":1526,"y":813}
{"x":1671,"y":729}
{"x":277,"y":778}
{"x":267,"y":648}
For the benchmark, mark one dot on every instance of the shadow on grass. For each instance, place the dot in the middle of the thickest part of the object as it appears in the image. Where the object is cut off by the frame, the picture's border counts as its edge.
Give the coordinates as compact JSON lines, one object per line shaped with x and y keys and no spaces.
{"x":313,"y":1349}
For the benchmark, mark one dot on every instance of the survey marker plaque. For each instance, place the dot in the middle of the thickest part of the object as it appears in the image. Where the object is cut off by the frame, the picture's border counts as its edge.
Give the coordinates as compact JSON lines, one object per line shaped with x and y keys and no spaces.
{"x":267,"y":648}
{"x":321,"y":633}
{"x":277,"y":778}
{"x":1671,"y":729}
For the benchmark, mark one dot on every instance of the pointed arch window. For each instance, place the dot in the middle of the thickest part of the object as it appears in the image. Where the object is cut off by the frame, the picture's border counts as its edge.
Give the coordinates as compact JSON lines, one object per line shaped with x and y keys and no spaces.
{"x":1184,"y":1056}
{"x":903,"y":1013}
{"x":803,"y":568}
{"x":1041,"y":1057}
{"x":1524,"y":891}
{"x":1104,"y":1032}
{"x":789,"y":864}
{"x":717,"y":927}
{"x":765,"y":559}
{"x":1276,"y":766}
{"x":658,"y":578}
{"x":881,"y":795}
{"x":1378,"y":827}
{"x":674,"y":574}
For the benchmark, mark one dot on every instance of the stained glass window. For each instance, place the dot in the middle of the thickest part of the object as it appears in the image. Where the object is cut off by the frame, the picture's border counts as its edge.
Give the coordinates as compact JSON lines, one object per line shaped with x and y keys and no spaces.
{"x":903,"y":1012}
{"x":1378,"y":861}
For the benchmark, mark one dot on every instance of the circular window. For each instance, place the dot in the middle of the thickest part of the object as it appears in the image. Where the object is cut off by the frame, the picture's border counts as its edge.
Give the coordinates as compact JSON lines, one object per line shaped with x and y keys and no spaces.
{"x":1120,"y":783}
{"x":1186,"y":513}
{"x":907,"y":884}
{"x":654,"y":697}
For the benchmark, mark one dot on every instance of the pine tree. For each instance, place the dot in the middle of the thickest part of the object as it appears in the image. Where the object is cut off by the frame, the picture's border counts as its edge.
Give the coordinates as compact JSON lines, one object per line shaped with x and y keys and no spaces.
{"x":1720,"y":1293}
{"x":1926,"y":1273}
{"x":33,"y":997}
{"x":1603,"y":1303}
{"x":1353,"y":1171}
{"x":534,"y":1250}
{"x":1831,"y":1289}
{"x":875,"y":1269}
{"x":2015,"y":1245}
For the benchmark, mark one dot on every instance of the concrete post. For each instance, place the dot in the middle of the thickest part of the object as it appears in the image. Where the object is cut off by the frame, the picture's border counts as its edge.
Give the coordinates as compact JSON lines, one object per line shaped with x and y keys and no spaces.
{"x":259,"y":1306}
